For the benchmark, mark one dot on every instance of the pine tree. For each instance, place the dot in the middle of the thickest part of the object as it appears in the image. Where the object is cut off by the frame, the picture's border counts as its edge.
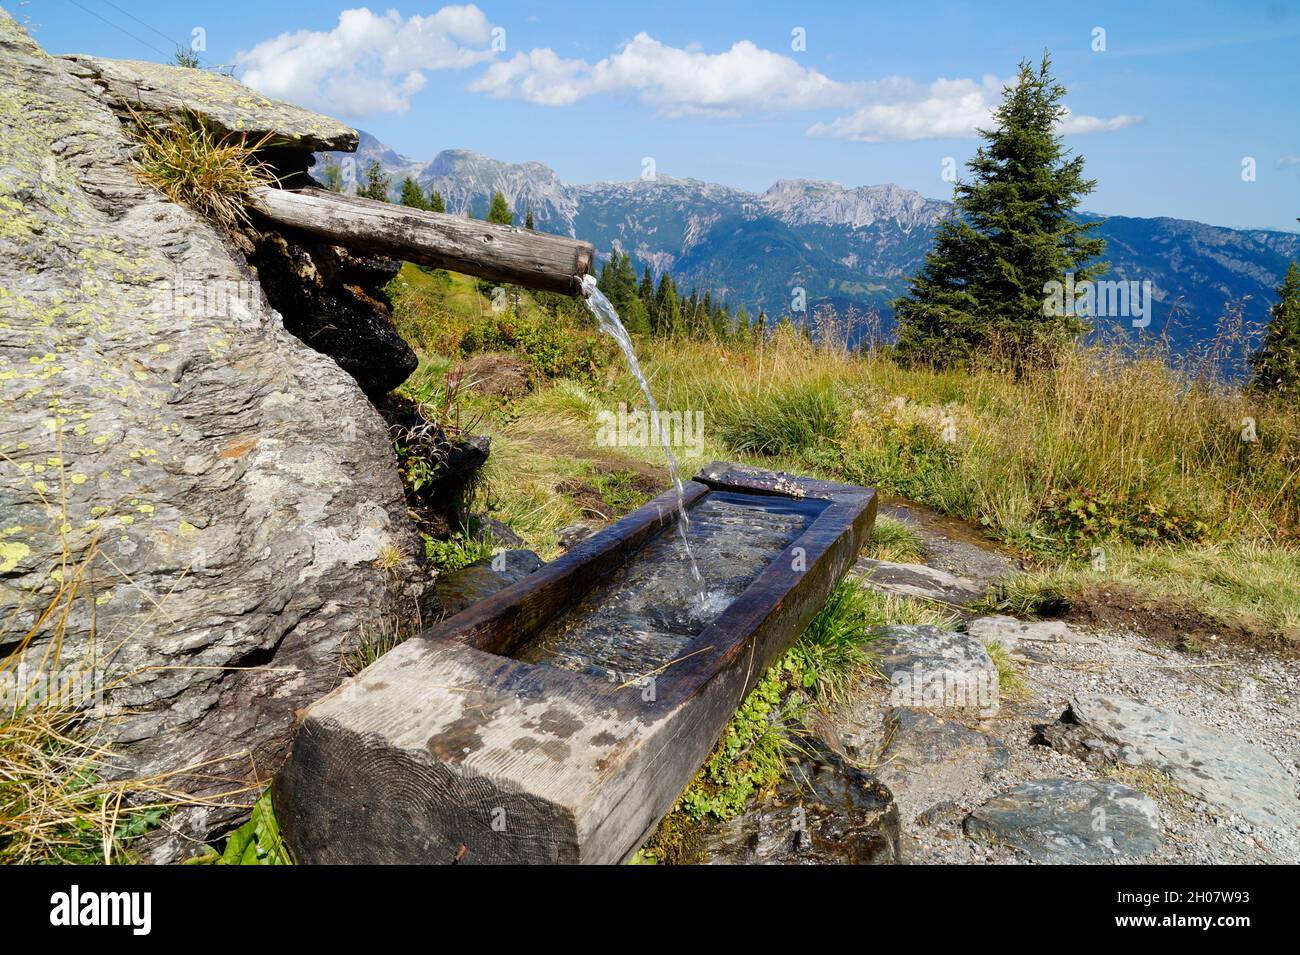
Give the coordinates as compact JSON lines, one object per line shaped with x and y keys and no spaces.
{"x":667,"y":314}
{"x":435,"y":202}
{"x":500,"y":211}
{"x":528,"y":219}
{"x":331,"y":175}
{"x":413,"y":195}
{"x":1277,"y":363}
{"x":646,"y":290}
{"x":1012,"y":232}
{"x":377,"y":183}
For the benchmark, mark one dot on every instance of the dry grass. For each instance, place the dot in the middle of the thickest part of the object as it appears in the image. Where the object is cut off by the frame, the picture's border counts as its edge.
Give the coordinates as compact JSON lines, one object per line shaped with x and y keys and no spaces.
{"x":189,"y":164}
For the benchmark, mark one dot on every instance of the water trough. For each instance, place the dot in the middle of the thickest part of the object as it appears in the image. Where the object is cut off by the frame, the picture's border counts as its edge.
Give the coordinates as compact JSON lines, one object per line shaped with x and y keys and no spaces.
{"x":557,"y":720}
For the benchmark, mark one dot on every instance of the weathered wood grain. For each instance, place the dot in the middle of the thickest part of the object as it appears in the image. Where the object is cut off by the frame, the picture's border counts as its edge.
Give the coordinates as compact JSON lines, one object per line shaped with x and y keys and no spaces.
{"x":446,"y":750}
{"x":498,"y":253}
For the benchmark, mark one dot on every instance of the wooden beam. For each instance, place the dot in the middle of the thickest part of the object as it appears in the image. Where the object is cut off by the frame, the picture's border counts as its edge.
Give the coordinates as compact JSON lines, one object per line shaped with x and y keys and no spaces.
{"x":498,"y":253}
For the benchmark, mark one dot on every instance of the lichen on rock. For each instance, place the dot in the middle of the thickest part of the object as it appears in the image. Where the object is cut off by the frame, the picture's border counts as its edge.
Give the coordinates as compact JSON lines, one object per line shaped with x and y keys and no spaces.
{"x":221,"y":493}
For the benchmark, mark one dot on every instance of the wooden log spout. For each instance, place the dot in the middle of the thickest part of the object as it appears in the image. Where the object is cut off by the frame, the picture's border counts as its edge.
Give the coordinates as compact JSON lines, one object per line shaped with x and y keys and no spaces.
{"x":498,"y":253}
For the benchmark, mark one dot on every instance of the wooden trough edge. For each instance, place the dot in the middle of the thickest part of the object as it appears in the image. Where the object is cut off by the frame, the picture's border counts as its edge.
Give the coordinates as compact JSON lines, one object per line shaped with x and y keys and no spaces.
{"x":446,"y":751}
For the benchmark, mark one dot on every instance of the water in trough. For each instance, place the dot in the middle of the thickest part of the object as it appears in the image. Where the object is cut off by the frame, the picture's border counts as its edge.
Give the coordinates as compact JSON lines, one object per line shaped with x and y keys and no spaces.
{"x":642,"y":618}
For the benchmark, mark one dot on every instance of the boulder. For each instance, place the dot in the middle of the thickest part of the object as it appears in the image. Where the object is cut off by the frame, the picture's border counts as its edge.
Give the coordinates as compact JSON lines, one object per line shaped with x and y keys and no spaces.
{"x":936,"y":669}
{"x":214,"y":504}
{"x":918,"y":580}
{"x":1069,"y":821}
{"x":927,"y":761}
{"x":1220,"y":768}
{"x":225,"y":104}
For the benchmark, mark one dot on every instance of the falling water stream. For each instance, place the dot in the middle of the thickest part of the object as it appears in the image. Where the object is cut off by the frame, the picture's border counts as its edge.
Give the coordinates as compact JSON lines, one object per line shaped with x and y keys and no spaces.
{"x":609,"y":323}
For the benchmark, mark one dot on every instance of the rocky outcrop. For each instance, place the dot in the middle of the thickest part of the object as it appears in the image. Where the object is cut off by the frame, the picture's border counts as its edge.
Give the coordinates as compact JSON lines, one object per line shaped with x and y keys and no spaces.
{"x":208,"y":499}
{"x":1221,"y":768}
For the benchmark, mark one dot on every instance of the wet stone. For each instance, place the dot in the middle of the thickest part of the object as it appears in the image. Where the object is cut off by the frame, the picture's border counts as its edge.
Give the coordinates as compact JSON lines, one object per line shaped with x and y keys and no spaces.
{"x":925,"y":760}
{"x":825,"y":813}
{"x":481,"y":579}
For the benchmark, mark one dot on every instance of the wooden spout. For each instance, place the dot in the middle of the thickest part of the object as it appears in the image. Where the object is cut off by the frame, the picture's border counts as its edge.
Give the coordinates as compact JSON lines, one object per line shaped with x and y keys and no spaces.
{"x":498,"y":253}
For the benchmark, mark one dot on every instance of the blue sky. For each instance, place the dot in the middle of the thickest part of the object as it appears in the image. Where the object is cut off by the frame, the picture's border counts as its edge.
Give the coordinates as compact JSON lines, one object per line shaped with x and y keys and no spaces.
{"x":1167,"y":113}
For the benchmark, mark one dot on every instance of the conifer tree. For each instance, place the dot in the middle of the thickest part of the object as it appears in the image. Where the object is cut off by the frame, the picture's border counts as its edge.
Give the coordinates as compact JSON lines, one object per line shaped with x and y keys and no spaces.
{"x":528,"y":219}
{"x":1276,"y":365}
{"x":1012,"y":232}
{"x":331,"y":175}
{"x":668,"y":308}
{"x":377,"y":184}
{"x":435,"y":202}
{"x":500,"y":211}
{"x":413,"y":195}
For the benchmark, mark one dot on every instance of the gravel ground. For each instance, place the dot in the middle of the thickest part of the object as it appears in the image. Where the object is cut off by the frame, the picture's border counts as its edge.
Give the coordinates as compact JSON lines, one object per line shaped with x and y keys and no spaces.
{"x":1248,"y":694}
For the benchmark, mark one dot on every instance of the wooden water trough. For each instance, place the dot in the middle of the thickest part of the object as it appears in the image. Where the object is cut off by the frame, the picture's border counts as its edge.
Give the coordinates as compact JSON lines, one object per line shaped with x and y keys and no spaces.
{"x":558,"y":719}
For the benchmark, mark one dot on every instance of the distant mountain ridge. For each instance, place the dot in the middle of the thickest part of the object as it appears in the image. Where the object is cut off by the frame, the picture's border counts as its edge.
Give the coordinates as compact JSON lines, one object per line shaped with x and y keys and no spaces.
{"x":850,"y":246}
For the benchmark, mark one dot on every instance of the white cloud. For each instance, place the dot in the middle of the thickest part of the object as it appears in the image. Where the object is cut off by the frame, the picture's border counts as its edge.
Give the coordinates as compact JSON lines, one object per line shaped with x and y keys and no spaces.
{"x":368,"y":63}
{"x":901,"y":110}
{"x":747,"y":78}
{"x":675,"y":81}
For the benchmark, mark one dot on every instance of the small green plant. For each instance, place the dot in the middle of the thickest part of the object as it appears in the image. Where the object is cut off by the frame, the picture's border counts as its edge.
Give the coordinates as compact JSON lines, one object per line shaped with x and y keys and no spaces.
{"x":191,"y":165}
{"x":783,"y":422}
{"x":1010,"y":682}
{"x":256,"y":842}
{"x":457,"y":551}
{"x":1079,"y":518}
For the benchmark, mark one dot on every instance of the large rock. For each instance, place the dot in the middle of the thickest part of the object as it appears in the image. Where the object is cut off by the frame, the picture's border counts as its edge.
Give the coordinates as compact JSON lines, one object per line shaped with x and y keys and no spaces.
{"x":1220,"y":768}
{"x":927,"y":761}
{"x":1069,"y":821}
{"x":224,"y":103}
{"x":825,"y":813}
{"x":918,"y":580}
{"x":932,"y":668}
{"x":210,"y":499}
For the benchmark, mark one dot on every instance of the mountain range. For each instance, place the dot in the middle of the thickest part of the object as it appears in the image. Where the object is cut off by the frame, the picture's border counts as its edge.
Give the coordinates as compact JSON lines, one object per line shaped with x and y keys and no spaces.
{"x":847,"y":246}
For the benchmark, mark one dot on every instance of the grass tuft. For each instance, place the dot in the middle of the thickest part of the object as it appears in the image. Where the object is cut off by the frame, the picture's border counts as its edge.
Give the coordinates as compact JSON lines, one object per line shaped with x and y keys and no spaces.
{"x":192,"y":166}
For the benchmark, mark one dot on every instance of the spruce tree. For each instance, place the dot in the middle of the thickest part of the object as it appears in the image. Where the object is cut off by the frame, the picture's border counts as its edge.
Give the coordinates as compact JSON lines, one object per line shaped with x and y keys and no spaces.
{"x":1276,"y":365}
{"x":528,"y":219}
{"x":435,"y":202}
{"x":500,"y":211}
{"x":413,"y":195}
{"x":377,"y":183}
{"x":331,"y":175}
{"x":667,"y":314}
{"x":1012,"y":231}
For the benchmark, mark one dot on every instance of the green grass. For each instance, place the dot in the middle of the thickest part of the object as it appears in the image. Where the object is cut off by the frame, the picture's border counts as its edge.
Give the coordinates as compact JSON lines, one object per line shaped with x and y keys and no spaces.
{"x":894,"y":540}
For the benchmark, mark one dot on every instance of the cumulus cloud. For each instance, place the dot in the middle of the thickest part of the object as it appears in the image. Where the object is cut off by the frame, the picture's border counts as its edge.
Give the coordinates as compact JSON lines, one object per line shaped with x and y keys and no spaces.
{"x":674,"y":81}
{"x":747,"y":79}
{"x":369,"y":63}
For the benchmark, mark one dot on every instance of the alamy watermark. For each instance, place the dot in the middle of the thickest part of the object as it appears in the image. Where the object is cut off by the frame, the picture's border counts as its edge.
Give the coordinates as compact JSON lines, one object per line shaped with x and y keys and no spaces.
{"x":1113,"y":298}
{"x":641,"y":429}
